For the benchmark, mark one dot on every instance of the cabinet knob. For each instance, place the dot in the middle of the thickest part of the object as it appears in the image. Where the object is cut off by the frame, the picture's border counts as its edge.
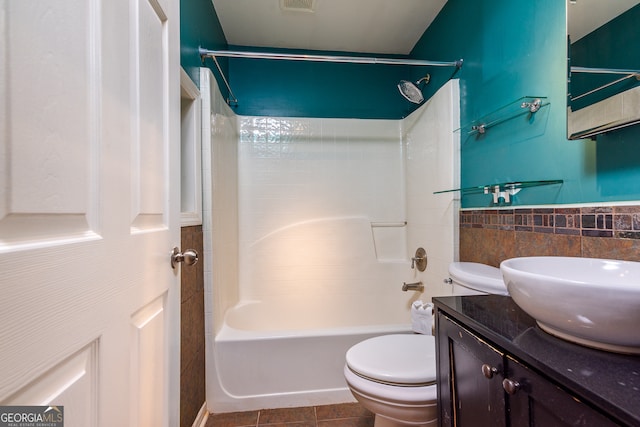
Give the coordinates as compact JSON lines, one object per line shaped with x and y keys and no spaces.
{"x":489,"y":371}
{"x":510,"y":386}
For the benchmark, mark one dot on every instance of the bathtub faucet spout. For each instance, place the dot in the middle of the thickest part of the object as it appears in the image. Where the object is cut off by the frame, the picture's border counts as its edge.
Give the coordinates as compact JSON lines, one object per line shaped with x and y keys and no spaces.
{"x":418,"y":286}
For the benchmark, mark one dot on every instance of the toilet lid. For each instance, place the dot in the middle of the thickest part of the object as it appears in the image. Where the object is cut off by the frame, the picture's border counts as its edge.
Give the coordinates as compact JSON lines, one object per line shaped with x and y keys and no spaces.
{"x":405,"y":359}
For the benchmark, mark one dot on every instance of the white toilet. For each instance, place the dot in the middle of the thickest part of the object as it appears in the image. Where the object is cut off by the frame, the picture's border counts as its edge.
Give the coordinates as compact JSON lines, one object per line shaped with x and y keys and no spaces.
{"x":394,"y":376}
{"x":472,"y":278}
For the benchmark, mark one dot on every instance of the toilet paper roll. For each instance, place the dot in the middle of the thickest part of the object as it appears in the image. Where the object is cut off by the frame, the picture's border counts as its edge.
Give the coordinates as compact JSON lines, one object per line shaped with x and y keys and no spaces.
{"x":421,"y":317}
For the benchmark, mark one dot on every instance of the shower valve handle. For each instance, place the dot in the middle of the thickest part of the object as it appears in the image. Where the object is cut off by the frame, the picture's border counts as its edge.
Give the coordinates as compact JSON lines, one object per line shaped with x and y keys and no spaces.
{"x":419,"y":260}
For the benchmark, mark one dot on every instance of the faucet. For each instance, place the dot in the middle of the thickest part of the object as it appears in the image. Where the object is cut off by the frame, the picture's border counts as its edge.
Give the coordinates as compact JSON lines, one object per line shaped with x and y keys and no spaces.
{"x":418,"y":286}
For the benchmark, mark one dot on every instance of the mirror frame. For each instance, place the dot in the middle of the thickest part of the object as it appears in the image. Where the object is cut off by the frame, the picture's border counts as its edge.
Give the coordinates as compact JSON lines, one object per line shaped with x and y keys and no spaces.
{"x":615,"y":112}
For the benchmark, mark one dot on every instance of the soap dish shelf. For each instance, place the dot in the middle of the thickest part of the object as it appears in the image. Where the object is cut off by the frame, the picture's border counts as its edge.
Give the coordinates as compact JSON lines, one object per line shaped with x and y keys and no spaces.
{"x":517,"y":108}
{"x":502,"y":192}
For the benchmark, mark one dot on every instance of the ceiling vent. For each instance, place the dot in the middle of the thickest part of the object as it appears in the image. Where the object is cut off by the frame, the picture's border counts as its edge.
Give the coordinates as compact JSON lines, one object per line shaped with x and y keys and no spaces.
{"x":297,"y":5}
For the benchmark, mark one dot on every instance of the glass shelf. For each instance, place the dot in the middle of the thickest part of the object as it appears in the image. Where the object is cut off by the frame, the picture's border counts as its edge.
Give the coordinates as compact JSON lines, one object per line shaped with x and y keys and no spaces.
{"x":502,"y":192}
{"x":504,"y":186}
{"x":517,"y":108}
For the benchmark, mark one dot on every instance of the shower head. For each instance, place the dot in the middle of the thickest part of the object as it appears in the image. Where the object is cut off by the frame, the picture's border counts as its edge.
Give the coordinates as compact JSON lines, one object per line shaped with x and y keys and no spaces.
{"x":411,"y":91}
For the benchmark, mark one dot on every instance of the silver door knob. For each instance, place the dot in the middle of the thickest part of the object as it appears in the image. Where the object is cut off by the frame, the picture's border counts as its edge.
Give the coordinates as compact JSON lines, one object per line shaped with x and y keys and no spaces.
{"x":189,"y":257}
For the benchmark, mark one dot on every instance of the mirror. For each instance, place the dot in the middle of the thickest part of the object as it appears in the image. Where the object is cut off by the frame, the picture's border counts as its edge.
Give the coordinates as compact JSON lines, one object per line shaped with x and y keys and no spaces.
{"x":604,"y":66}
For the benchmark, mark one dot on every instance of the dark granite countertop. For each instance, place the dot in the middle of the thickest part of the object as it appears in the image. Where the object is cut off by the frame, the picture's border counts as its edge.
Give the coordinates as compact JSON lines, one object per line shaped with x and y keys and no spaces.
{"x":607,"y":380}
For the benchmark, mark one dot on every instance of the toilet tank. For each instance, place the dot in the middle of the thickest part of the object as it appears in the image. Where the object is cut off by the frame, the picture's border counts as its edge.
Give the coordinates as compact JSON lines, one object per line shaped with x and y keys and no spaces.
{"x":472,"y":278}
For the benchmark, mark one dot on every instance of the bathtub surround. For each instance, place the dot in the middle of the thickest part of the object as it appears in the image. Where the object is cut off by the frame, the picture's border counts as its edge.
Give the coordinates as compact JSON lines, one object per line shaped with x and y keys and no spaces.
{"x":219,"y":213}
{"x":328,"y":212}
{"x":491,"y":236}
{"x":432,"y":163}
{"x":311,"y":192}
{"x":219,"y":203}
{"x":323,"y":205}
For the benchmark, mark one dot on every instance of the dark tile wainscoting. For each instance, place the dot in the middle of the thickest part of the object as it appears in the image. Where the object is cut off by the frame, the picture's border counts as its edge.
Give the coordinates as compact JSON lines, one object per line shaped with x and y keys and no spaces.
{"x":192,"y":376}
{"x":493,"y":235}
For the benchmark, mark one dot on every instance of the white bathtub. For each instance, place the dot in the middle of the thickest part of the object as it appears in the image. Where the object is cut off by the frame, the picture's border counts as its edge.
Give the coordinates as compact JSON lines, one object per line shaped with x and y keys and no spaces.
{"x":263,"y":361}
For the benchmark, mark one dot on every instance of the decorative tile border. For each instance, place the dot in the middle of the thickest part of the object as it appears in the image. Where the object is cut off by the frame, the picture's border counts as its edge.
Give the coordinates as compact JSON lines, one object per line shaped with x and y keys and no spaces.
{"x":611,"y":221}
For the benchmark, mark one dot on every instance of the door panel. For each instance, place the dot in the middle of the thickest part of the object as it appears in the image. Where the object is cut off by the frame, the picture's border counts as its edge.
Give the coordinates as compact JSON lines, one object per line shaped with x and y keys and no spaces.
{"x":89,"y":209}
{"x":149,"y":139}
{"x":72,"y":383}
{"x":148,"y":381}
{"x":49,"y":122}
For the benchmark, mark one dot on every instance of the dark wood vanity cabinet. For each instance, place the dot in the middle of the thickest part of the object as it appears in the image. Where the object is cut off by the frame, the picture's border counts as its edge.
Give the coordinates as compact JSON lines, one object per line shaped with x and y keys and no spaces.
{"x":535,"y":401}
{"x":479,"y":384}
{"x":466,"y":396}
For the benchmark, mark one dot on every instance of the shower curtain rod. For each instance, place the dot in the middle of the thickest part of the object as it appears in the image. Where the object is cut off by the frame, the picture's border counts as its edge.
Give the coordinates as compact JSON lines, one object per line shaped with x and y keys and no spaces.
{"x":591,"y":70}
{"x":315,"y":58}
{"x":326,"y":58}
{"x":627,"y":75}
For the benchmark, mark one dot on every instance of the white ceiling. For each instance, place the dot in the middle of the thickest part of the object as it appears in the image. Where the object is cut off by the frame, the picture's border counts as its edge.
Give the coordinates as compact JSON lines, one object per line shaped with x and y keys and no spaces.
{"x":367,"y":26}
{"x":585,"y":16}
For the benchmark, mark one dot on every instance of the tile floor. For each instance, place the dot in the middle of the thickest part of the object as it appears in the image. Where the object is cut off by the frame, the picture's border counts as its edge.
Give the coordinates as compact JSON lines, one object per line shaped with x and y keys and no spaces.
{"x":340,"y":415}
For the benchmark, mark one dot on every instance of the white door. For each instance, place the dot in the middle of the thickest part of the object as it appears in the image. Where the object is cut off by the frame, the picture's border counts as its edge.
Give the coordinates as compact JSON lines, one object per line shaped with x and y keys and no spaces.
{"x":89,"y":209}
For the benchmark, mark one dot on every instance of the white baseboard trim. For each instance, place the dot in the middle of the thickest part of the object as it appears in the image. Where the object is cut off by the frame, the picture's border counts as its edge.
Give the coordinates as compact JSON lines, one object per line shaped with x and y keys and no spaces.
{"x":202,"y":417}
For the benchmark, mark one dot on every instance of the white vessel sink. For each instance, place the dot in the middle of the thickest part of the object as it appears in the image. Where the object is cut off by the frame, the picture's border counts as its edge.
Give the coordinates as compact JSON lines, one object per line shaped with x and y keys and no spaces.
{"x":593,"y":302}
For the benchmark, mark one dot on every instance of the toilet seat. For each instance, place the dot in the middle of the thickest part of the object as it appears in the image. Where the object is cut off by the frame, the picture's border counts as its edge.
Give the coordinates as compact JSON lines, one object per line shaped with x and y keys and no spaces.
{"x":407,"y":360}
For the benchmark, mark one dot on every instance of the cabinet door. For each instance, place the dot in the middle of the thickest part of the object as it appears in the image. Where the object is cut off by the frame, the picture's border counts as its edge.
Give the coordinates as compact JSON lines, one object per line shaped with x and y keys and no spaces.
{"x":470,"y":377}
{"x":534,"y":401}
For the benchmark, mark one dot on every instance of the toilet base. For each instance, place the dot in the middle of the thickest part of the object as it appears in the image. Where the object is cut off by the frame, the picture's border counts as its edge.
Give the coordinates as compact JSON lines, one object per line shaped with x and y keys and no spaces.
{"x":395,"y":406}
{"x":381,"y":421}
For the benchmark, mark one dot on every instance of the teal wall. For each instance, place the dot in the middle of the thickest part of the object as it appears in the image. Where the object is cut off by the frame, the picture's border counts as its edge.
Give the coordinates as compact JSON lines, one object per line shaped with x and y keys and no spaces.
{"x":516,"y":48}
{"x":510,"y":49}
{"x":200,"y":27}
{"x":318,"y":89}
